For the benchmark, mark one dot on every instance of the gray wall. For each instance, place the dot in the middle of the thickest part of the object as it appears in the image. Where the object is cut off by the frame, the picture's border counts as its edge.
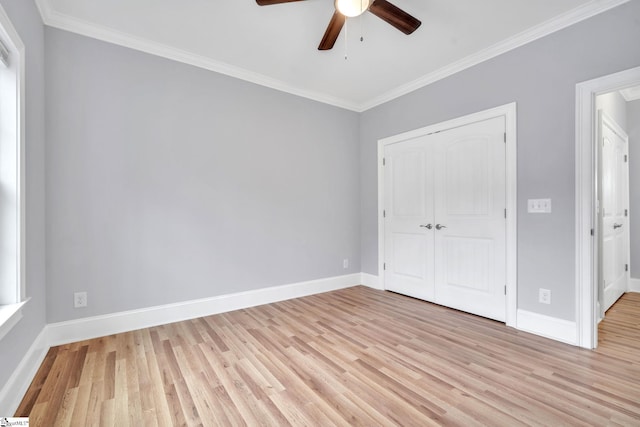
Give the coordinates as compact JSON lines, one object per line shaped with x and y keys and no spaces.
{"x":633,"y":130}
{"x":26,"y":19}
{"x":541,"y":78}
{"x":168,"y":183}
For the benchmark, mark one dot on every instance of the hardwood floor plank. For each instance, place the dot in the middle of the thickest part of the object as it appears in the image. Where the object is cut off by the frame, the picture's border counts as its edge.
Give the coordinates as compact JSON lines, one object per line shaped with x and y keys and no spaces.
{"x":351,"y":357}
{"x":79,"y":413}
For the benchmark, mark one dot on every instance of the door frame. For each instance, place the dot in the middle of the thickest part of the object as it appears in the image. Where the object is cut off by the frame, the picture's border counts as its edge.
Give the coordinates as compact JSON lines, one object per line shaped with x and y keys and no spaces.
{"x":509,"y":112}
{"x":587,"y":232}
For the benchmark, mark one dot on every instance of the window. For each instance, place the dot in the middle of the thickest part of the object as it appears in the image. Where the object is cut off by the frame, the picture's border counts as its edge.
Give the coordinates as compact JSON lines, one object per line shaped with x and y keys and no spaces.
{"x":12,"y":289}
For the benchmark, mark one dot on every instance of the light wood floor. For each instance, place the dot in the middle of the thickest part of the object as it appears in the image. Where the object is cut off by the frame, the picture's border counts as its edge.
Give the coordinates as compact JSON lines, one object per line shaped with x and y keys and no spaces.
{"x":350,"y":357}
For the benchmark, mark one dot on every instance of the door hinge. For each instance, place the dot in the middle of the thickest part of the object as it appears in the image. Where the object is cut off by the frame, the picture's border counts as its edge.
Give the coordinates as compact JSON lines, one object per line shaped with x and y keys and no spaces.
{"x":505,"y":289}
{"x":626,"y":267}
{"x":384,"y":265}
{"x":592,"y":231}
{"x":384,"y":213}
{"x":384,"y":162}
{"x":626,"y":212}
{"x":505,"y":137}
{"x":625,"y":158}
{"x":505,"y":213}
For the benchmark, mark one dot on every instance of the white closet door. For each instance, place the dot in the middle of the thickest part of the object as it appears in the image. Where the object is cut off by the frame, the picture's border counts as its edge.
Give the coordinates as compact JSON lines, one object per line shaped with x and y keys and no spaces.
{"x":615,"y":224}
{"x":470,"y":235}
{"x":409,"y":218}
{"x":445,"y":233}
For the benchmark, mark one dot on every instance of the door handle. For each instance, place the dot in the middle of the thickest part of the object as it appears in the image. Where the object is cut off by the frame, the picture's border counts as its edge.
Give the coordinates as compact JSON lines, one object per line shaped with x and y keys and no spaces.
{"x":427,"y":226}
{"x":440,"y":227}
{"x":616,"y":226}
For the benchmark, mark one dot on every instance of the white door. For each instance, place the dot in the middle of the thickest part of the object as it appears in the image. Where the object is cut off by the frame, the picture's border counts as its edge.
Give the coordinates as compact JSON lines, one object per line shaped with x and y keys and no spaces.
{"x":444,"y":222}
{"x":470,"y":234}
{"x":614,"y":200}
{"x":409,"y":218}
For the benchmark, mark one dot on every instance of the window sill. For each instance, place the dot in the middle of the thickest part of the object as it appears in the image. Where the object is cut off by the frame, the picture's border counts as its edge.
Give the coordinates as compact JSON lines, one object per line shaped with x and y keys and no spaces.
{"x":10,"y":315}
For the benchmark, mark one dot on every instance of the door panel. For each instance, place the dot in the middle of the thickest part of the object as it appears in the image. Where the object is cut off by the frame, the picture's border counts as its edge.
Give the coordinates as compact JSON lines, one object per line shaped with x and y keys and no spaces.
{"x":408,"y":206}
{"x":614,"y":222}
{"x":468,"y":263}
{"x":470,"y":185}
{"x":466,"y":187}
{"x":409,"y":251}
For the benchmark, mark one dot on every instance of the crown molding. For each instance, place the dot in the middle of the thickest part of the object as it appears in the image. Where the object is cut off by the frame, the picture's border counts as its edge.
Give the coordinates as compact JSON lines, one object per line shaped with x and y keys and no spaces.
{"x":61,"y":21}
{"x":558,"y":23}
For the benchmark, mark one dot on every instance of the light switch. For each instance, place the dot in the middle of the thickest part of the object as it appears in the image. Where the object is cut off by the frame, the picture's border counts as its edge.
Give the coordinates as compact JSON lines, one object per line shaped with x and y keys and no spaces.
{"x":539,"y":206}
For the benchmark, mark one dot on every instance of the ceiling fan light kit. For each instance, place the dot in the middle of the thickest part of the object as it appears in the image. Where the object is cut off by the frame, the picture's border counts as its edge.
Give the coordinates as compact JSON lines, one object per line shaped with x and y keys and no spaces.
{"x":352,"y":8}
{"x":344,"y":9}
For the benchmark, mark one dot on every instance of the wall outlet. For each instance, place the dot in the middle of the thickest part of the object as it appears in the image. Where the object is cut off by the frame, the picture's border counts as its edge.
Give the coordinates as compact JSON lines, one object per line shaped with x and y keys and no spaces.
{"x":79,"y":299}
{"x":345,"y":263}
{"x":544,"y":296}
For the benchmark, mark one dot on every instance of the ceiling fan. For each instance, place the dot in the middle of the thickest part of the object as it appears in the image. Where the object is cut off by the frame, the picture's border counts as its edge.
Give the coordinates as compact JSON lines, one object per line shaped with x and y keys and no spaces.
{"x":351,"y":8}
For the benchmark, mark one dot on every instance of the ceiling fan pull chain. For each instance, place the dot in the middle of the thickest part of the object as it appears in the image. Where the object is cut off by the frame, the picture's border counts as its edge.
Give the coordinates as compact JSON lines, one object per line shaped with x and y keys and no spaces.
{"x":362,"y":7}
{"x":362,"y":29}
{"x":346,"y":44}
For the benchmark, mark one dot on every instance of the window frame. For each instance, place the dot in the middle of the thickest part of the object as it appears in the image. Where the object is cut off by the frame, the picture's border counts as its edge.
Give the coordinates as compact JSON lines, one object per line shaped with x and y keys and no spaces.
{"x":13,"y":77}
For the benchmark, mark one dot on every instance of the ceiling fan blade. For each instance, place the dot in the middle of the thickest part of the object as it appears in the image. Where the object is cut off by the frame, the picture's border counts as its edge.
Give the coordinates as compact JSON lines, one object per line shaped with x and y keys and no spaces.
{"x":269,"y":2}
{"x":333,"y":31}
{"x":394,"y":16}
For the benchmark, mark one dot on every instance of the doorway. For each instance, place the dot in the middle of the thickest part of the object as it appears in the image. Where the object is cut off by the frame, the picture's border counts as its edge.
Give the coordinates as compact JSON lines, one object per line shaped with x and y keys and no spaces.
{"x":427,"y":233}
{"x":589,"y":228}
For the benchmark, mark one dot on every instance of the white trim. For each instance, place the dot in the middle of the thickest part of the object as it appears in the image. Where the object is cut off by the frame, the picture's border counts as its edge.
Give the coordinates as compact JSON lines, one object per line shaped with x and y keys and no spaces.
{"x":509,"y":112}
{"x":512,"y":213}
{"x":98,"y":326}
{"x":586,"y":249}
{"x":10,"y":315}
{"x":634,"y":285}
{"x":55,"y":19}
{"x":65,"y":22}
{"x":15,"y":45}
{"x":539,"y":31}
{"x":371,"y":281}
{"x":381,"y":255}
{"x":547,"y":326}
{"x":15,"y":388}
{"x":15,"y":82}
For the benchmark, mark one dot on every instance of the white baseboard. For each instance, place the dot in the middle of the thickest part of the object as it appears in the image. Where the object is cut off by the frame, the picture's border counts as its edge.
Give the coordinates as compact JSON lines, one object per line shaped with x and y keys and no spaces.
{"x":634,"y":285}
{"x":15,"y":388}
{"x":371,"y":281}
{"x":547,"y":326}
{"x":98,"y":326}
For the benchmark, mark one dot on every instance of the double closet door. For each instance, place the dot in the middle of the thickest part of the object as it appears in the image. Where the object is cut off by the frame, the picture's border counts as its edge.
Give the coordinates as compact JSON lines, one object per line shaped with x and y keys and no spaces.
{"x":444,"y":223}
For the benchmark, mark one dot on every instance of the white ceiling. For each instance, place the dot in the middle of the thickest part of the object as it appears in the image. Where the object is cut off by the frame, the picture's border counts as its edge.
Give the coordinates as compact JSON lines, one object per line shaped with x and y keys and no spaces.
{"x":276,"y":45}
